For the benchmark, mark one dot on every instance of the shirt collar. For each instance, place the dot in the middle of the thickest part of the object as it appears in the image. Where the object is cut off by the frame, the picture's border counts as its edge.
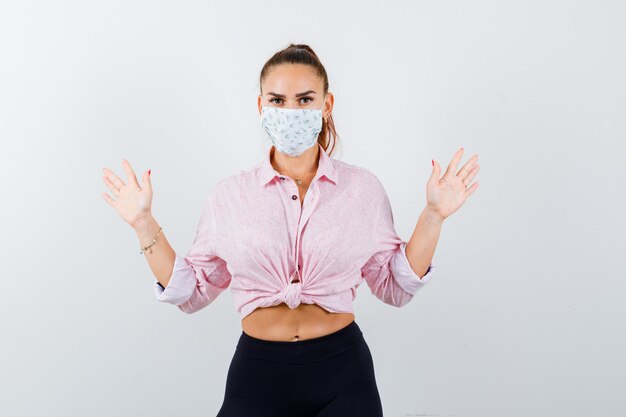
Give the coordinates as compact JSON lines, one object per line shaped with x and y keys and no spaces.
{"x":325,"y":167}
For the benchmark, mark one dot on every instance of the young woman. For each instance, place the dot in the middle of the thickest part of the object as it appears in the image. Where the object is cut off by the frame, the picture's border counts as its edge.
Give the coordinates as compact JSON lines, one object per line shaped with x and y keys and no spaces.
{"x":293,"y":238}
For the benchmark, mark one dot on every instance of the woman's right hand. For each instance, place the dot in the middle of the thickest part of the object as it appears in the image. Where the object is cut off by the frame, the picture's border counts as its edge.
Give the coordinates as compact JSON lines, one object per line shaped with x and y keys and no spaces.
{"x":132,"y":202}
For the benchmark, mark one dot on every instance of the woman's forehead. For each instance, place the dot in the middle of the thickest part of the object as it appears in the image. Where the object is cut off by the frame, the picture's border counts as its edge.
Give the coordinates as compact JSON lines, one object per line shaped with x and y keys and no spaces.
{"x":292,"y":79}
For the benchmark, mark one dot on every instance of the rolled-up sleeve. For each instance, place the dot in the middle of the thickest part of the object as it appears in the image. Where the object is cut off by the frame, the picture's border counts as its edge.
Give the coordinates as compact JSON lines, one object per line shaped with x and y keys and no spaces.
{"x":388,"y":272}
{"x":201,"y":276}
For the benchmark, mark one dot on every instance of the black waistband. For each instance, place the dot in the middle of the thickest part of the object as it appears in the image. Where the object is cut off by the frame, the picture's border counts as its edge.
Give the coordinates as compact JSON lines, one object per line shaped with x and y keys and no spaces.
{"x":303,"y":351}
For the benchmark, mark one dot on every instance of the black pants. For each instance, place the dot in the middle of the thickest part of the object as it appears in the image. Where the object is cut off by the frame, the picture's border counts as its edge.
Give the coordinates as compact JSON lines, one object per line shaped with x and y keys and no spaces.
{"x":327,"y":376}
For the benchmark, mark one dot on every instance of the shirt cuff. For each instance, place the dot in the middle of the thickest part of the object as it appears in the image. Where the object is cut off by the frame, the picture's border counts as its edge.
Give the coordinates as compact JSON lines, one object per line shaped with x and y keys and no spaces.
{"x":181,"y":285}
{"x":404,"y":275}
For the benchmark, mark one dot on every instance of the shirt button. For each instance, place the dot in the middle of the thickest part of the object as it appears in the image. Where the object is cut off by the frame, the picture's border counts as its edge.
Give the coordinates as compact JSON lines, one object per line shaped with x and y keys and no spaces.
{"x":294,"y":197}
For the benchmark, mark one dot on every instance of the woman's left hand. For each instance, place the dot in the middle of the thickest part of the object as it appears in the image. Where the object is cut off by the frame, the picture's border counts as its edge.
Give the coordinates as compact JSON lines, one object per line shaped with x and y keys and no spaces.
{"x":447,"y":194}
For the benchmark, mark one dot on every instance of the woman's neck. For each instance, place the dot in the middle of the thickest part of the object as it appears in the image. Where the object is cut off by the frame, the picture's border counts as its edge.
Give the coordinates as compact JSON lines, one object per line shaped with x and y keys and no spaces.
{"x":304,"y":166}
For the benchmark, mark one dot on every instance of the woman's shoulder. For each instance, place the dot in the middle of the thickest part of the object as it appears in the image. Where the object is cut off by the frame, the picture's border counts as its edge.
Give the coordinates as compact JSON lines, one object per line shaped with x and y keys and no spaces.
{"x":241,"y":180}
{"x":351,"y":168}
{"x":358,"y":175}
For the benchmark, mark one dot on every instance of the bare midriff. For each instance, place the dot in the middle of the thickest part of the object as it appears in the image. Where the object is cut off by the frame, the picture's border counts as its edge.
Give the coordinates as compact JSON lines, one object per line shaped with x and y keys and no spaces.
{"x":281,"y":323}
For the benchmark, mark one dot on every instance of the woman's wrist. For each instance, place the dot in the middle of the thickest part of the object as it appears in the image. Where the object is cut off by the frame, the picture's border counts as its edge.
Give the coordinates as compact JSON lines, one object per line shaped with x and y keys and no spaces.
{"x":432,"y":217}
{"x":146,"y":228}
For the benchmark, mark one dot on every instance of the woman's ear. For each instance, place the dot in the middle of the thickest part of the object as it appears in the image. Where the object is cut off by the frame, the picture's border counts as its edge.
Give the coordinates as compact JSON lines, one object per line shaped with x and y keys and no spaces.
{"x":329,"y":101}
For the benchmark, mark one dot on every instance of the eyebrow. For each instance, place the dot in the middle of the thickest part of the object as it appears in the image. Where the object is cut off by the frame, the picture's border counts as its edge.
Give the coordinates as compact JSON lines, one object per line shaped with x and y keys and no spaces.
{"x":297,"y":95}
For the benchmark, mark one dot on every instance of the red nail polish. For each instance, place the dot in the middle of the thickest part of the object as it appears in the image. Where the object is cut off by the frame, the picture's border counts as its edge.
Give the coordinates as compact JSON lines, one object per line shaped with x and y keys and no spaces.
{"x":149,"y":171}
{"x":432,"y":161}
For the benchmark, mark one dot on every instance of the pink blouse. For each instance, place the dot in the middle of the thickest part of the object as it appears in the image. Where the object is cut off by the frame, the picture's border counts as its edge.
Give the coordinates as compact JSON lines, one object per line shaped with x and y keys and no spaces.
{"x":254,"y":236}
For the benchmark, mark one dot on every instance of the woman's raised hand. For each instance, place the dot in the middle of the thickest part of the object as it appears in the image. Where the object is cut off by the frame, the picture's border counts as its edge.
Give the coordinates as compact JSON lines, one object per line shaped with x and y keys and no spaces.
{"x":132,"y":201}
{"x":447,"y":194}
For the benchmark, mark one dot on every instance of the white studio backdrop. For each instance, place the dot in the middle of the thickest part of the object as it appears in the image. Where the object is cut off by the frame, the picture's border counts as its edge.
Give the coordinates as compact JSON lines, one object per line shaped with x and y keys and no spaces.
{"x":525,"y":316}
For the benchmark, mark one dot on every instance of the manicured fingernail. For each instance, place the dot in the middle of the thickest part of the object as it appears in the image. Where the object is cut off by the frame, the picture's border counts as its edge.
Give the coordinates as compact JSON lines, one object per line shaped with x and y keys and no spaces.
{"x":433,"y":162}
{"x":149,"y":171}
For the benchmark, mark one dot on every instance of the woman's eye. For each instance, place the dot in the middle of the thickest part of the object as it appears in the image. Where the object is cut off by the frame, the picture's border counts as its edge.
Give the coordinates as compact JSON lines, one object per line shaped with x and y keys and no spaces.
{"x":303,"y":98}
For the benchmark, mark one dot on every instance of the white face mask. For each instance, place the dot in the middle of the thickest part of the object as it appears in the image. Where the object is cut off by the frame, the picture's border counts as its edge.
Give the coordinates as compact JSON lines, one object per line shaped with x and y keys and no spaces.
{"x":292,"y":130}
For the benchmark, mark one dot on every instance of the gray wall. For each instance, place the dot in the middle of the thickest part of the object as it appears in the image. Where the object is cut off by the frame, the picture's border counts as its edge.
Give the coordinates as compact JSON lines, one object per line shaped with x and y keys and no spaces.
{"x":525,"y":316}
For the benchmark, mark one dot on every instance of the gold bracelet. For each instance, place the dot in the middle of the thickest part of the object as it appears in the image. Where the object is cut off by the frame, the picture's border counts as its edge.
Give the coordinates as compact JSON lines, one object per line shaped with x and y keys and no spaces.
{"x":143,"y":250}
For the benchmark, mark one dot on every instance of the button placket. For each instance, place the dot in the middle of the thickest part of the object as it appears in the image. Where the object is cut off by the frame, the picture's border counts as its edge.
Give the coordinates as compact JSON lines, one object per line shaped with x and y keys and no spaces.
{"x":294,"y":196}
{"x":310,"y":201}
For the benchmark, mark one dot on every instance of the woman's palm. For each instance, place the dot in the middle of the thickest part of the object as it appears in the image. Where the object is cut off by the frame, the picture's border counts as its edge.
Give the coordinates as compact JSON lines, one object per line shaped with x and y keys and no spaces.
{"x":131,"y":201}
{"x":447,"y":194}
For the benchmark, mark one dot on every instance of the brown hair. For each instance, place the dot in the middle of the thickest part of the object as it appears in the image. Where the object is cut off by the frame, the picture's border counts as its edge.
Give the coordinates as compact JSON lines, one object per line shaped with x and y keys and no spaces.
{"x":303,"y":54}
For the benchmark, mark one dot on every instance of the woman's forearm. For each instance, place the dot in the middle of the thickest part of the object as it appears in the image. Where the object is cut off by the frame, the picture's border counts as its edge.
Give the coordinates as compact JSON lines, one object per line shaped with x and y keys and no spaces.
{"x":161,"y":260}
{"x":421,"y":247}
